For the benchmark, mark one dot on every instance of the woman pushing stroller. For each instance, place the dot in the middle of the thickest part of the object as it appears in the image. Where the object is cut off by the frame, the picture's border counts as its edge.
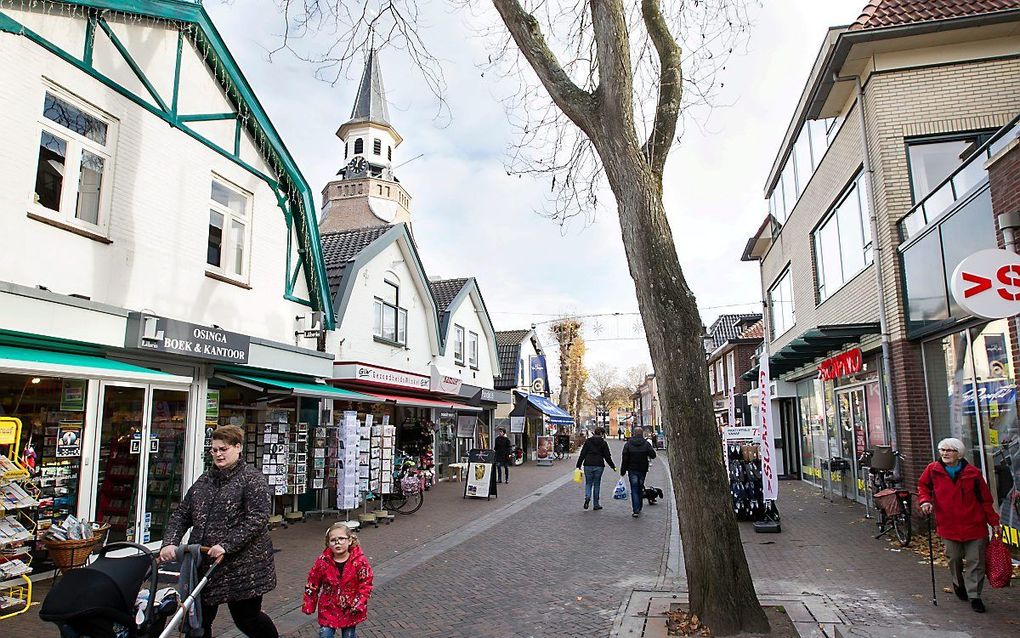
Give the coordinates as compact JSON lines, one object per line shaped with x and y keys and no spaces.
{"x":228,"y":509}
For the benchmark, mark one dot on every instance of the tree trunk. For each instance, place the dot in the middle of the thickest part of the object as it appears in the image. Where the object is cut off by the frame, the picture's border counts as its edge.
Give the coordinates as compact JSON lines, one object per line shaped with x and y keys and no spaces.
{"x":721,"y":590}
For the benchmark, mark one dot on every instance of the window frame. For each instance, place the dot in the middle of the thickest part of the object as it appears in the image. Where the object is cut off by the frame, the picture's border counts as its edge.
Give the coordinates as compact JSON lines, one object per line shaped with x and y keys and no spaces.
{"x":980,"y":136}
{"x":227,"y":232}
{"x":379,"y":308}
{"x":377,"y":146}
{"x":854,"y":188}
{"x":785,"y":275}
{"x":472,"y":349}
{"x":76,"y":144}
{"x":459,"y":344}
{"x":359,"y":146}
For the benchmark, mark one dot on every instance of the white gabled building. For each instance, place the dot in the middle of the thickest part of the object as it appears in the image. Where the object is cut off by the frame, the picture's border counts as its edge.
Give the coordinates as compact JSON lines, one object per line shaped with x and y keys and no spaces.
{"x":163,"y":262}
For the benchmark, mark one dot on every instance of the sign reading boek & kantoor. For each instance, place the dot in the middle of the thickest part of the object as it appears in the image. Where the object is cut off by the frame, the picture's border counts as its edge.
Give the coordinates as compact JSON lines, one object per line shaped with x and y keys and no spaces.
{"x":148,"y":332}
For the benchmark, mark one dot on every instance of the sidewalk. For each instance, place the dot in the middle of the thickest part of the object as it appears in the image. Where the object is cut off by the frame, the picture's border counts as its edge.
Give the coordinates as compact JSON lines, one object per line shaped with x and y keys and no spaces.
{"x":443,"y":511}
{"x":827,"y":561}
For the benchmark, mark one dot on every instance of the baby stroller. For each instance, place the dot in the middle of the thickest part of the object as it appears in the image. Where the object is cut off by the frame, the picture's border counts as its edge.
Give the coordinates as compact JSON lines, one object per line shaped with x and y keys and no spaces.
{"x":99,"y":600}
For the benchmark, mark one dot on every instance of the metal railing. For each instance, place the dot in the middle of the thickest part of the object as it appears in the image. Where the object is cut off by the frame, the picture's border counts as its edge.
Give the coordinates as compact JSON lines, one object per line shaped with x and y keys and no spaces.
{"x":959,"y":183}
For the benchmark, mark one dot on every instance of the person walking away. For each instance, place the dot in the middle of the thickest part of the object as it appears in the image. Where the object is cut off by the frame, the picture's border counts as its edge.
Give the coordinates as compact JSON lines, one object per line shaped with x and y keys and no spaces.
{"x":502,"y":448}
{"x":637,"y":452}
{"x":227,"y":510}
{"x":339,"y":584}
{"x":593,"y":456}
{"x":957,"y":493}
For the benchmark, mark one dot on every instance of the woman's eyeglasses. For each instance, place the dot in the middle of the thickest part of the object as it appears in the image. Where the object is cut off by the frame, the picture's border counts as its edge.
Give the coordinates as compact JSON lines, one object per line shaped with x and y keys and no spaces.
{"x":339,"y":538}
{"x":947,"y":451}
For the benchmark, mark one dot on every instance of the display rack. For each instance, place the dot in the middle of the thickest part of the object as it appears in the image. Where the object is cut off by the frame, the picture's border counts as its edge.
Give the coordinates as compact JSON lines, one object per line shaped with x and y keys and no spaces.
{"x":164,"y":480}
{"x":117,"y":489}
{"x":743,"y":464}
{"x":20,"y":500}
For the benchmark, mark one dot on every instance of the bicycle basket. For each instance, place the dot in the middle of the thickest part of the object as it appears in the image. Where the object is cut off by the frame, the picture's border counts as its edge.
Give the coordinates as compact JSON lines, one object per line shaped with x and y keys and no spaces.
{"x":410,"y":485}
{"x":888,"y":502}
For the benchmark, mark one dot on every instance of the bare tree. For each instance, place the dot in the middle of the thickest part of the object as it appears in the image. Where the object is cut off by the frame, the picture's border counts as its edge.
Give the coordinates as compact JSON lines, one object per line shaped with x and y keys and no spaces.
{"x":618,"y":80}
{"x":605,"y":388}
{"x":635,"y":376}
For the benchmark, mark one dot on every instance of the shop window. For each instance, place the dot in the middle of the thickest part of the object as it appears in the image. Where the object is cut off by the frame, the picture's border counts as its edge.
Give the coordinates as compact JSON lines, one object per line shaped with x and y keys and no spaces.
{"x":390,"y":320}
{"x":458,"y":344}
{"x":932,"y":161}
{"x":229,"y":239}
{"x":781,"y":307}
{"x":472,"y":350}
{"x":813,"y":446}
{"x":359,"y":146}
{"x":74,"y":164}
{"x":376,"y":147}
{"x":842,"y":242}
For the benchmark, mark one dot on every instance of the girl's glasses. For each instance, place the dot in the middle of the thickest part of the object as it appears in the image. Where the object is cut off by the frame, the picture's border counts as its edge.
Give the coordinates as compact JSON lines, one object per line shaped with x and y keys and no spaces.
{"x":337,"y":539}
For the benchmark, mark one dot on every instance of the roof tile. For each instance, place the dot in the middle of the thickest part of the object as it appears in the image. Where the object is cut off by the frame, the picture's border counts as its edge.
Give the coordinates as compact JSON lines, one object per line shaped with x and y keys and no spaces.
{"x":445,"y":291}
{"x":890,"y":13}
{"x":339,"y":249}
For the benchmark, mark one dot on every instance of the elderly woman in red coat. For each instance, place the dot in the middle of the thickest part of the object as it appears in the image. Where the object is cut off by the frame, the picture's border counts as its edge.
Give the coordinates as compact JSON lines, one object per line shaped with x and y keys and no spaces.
{"x":957,"y":493}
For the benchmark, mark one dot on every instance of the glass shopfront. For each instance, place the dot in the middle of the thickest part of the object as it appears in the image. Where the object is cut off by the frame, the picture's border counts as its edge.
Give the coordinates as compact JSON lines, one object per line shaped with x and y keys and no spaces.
{"x":971,"y":380}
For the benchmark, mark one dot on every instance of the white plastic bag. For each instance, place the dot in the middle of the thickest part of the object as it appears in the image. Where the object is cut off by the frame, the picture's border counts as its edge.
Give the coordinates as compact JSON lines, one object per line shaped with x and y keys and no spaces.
{"x":620,"y":492}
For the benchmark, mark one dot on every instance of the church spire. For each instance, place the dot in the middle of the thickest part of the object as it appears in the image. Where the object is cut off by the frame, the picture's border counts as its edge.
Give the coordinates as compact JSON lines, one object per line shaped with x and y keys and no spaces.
{"x":370,"y":102}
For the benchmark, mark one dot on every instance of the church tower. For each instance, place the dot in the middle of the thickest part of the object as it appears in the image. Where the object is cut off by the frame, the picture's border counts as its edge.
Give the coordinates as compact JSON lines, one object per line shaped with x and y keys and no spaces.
{"x":367,"y":193}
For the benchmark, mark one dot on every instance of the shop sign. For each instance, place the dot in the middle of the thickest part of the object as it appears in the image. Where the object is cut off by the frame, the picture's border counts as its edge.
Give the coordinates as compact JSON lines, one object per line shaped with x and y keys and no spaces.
{"x":159,"y":334}
{"x":8,"y":431}
{"x":516,"y":424}
{"x":466,"y":427}
{"x":996,"y":394}
{"x":72,"y":395}
{"x":480,"y":477}
{"x":841,"y":365}
{"x":743,"y":432}
{"x":987,"y":283}
{"x":364,"y":373}
{"x":488,"y":395}
{"x":444,"y":381}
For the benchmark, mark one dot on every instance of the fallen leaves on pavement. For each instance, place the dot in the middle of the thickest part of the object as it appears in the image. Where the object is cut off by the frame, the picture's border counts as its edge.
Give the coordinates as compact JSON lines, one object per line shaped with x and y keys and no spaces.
{"x":682,"y":623}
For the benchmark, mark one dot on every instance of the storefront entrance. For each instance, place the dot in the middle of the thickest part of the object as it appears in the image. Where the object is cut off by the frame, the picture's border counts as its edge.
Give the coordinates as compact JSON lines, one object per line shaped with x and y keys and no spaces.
{"x":852,"y":417}
{"x":141,"y":434}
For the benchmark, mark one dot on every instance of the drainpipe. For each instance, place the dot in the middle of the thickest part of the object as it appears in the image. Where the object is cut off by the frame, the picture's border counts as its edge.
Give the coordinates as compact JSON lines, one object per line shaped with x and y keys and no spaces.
{"x":877,"y":250}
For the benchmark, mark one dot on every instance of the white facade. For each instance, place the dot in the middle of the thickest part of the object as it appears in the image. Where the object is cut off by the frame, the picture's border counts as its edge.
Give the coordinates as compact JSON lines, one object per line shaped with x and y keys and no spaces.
{"x":354,"y":339}
{"x":149,"y":247}
{"x":470,"y":318}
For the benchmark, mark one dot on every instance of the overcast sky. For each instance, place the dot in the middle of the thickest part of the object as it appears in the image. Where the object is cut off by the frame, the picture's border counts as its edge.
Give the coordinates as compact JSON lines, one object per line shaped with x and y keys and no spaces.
{"x":471,"y":219}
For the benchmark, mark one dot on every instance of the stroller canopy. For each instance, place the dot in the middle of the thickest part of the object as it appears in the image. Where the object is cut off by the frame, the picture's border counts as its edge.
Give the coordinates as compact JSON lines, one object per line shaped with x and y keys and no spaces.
{"x":105,"y":590}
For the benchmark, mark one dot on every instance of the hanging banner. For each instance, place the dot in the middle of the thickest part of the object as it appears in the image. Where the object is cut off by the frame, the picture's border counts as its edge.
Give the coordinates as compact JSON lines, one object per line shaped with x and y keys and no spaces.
{"x":516,"y":424}
{"x":733,"y":407}
{"x":769,"y":481}
{"x":539,"y":375}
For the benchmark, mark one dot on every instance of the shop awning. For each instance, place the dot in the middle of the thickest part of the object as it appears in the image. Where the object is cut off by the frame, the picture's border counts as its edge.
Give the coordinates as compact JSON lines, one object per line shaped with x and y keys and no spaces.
{"x":813,"y":345}
{"x":556,"y":414}
{"x":423,"y":403}
{"x":67,"y":364}
{"x":303,"y":389}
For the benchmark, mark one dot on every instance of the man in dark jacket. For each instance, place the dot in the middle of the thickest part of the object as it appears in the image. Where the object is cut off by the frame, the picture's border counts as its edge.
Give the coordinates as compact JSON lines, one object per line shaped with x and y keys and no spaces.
{"x":636,"y":454}
{"x":593,"y":456}
{"x":502,"y":448}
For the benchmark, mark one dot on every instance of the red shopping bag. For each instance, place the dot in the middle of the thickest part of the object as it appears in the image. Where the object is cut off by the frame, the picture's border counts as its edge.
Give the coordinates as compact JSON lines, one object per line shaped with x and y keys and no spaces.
{"x":998,"y":564}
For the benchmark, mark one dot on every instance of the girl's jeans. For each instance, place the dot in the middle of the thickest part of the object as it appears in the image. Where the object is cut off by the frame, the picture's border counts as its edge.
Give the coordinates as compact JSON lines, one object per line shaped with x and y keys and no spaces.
{"x":329,"y":632}
{"x":593,"y":482}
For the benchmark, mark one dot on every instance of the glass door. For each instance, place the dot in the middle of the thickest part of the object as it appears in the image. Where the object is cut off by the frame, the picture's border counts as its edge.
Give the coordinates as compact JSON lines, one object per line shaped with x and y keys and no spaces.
{"x":121,"y":425}
{"x":853,"y":429}
{"x":164,"y":474}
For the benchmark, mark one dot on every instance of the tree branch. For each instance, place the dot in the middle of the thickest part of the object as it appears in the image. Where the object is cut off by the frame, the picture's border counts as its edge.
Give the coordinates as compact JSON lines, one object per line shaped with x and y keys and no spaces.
{"x":615,"y":92}
{"x":667,"y":110}
{"x":577,"y":104}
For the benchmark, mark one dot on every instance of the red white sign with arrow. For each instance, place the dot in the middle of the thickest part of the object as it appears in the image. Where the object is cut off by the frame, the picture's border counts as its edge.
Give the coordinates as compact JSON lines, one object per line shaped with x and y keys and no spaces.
{"x":987,"y":284}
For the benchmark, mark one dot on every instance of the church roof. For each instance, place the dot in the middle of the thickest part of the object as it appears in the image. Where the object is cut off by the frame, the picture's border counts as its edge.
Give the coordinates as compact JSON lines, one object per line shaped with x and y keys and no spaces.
{"x":370,"y":102}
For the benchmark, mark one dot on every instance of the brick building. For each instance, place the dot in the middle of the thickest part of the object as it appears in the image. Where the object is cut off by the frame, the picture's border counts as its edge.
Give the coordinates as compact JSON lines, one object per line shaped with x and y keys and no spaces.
{"x":730,"y":345}
{"x":869,"y":213}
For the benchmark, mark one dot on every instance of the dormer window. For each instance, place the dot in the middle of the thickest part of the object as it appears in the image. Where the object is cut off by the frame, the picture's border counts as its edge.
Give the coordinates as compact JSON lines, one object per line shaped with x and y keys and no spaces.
{"x":377,"y":147}
{"x":359,"y":146}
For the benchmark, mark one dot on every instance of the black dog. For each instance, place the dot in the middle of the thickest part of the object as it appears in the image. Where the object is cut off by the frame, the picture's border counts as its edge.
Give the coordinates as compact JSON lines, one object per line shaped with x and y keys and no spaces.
{"x":652,"y":493}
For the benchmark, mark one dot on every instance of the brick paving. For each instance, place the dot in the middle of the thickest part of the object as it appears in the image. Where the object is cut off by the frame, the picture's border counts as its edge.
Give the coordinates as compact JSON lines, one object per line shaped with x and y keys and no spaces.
{"x":827,"y":548}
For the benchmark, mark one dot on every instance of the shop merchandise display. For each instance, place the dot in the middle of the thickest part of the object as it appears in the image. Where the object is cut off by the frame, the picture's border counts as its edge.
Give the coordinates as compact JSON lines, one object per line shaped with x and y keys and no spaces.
{"x":273,"y":449}
{"x":416,"y":442}
{"x":297,"y":460}
{"x":744,"y":466}
{"x":164,"y":484}
{"x":348,"y":440}
{"x":118,"y":483}
{"x":17,"y":525}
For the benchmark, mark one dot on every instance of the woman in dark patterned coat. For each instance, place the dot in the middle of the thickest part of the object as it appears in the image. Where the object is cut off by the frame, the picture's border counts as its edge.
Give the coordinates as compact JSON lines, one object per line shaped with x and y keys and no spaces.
{"x":228,"y":510}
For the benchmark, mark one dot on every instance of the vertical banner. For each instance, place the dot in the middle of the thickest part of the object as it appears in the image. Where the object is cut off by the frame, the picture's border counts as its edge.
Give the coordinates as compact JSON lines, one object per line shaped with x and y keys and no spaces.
{"x":769,"y":481}
{"x":539,"y":375}
{"x":733,"y":407}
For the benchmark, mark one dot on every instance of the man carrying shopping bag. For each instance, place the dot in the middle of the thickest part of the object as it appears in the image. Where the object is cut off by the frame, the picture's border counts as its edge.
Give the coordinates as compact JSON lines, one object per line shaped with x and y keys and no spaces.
{"x":637,"y":452}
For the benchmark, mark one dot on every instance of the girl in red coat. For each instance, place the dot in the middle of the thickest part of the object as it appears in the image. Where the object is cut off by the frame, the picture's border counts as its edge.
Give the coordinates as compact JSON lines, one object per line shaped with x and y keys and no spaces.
{"x":963,"y":507}
{"x":340,"y":582}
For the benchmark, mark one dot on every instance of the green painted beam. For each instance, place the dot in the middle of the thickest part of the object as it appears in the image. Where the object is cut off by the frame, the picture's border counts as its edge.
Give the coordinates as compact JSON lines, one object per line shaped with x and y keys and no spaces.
{"x":90,"y":39}
{"x":132,"y":64}
{"x":206,"y":117}
{"x":177,"y":73}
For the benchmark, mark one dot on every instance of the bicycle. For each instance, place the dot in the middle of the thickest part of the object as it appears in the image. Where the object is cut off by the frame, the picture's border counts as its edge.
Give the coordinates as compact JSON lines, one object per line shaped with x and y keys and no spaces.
{"x":409,"y":488}
{"x":894,"y":504}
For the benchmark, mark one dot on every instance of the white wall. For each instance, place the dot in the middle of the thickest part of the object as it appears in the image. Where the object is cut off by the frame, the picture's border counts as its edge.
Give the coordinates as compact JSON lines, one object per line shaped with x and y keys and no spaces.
{"x":160,"y":180}
{"x":468,"y":315}
{"x":355,"y":326}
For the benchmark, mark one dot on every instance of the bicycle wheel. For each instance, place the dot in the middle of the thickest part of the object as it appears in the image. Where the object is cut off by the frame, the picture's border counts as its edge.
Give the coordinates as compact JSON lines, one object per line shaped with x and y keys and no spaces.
{"x":410,"y":503}
{"x":901,"y":525}
{"x":395,"y":502}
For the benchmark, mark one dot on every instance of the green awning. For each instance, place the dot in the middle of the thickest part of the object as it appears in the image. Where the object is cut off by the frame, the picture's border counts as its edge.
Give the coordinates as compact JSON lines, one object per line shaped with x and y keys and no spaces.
{"x":303,"y":389}
{"x":816,"y":344}
{"x":68,"y":364}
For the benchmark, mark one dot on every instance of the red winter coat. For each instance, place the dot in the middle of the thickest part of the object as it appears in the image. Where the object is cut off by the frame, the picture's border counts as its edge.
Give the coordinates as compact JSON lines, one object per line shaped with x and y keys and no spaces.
{"x":963,"y":508}
{"x":342,"y":601}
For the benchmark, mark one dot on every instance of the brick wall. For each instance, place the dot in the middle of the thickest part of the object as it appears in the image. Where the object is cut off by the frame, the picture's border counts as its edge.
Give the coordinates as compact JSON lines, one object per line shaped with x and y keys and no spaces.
{"x":913,"y":434}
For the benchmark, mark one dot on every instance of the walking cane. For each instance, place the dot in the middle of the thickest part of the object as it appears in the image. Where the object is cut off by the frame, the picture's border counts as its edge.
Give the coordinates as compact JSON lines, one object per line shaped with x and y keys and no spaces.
{"x":931,"y":563}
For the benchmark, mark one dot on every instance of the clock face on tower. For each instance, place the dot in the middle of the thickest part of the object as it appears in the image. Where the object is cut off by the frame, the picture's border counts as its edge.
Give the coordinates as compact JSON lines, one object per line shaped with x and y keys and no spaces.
{"x":356,"y":166}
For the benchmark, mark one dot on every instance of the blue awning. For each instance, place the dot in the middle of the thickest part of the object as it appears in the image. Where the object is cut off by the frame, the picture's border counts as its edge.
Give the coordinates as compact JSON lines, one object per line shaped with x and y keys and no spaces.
{"x":556,"y":414}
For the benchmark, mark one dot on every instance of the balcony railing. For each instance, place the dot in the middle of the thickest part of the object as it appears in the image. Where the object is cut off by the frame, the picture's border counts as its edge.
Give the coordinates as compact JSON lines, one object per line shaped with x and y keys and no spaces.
{"x":959,"y":183}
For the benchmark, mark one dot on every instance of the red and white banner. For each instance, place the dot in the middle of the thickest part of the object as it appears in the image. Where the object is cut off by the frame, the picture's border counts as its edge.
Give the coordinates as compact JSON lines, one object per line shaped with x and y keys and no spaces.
{"x":733,"y":407}
{"x":769,"y":481}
